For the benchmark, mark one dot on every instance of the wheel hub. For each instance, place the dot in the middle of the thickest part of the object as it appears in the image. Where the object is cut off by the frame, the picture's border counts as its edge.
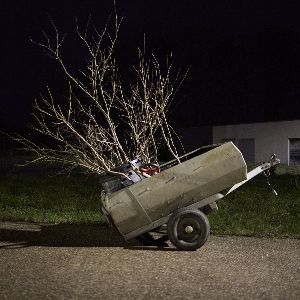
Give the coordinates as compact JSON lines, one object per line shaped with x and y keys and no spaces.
{"x":189,"y":229}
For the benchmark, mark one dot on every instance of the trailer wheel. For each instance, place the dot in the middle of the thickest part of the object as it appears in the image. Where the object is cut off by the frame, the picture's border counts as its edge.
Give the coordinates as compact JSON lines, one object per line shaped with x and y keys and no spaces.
{"x":188,"y":229}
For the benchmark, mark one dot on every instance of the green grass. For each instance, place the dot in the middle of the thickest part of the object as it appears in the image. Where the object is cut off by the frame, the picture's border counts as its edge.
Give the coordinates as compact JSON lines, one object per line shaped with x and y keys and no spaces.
{"x":251,"y":210}
{"x":54,"y":199}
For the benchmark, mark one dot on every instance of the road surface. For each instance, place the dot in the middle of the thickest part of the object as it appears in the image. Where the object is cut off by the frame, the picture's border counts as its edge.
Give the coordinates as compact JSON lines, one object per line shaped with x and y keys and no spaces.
{"x":80,"y":262}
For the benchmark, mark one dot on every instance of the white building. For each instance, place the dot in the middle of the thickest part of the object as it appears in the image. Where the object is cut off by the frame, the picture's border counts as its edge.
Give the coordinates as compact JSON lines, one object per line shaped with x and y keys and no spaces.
{"x":257,"y":141}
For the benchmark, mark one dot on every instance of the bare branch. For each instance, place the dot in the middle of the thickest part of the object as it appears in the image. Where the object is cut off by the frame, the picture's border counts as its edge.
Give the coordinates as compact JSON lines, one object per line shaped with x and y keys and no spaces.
{"x":101,"y":124}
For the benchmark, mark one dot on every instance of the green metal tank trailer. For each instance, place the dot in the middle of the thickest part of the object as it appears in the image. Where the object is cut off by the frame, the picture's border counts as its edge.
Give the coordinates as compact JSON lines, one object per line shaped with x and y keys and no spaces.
{"x":178,"y":197}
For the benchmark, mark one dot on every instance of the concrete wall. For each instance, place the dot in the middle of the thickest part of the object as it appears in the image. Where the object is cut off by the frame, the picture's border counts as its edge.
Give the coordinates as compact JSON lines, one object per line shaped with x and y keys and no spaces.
{"x":270,"y":137}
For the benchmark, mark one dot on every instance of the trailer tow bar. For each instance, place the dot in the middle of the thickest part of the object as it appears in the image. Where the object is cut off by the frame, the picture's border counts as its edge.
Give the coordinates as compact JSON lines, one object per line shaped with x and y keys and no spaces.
{"x":267,"y":174}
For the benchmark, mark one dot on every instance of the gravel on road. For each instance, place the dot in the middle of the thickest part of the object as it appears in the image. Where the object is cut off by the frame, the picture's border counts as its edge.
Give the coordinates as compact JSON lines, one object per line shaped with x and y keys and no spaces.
{"x":90,"y":261}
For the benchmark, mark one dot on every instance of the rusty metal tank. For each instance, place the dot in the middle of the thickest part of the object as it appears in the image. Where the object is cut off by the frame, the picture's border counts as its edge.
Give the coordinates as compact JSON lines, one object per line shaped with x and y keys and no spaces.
{"x":150,"y":202}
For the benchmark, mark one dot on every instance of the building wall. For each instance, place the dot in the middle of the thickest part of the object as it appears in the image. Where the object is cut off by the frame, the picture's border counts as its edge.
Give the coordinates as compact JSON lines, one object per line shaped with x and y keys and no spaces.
{"x":270,"y":137}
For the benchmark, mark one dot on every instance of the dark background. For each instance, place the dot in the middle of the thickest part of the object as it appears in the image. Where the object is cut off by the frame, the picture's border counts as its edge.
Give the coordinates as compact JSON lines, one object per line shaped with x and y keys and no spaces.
{"x":244,"y":56}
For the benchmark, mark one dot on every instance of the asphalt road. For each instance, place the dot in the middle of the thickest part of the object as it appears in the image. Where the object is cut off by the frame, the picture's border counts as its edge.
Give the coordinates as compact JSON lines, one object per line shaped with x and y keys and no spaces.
{"x":80,"y":262}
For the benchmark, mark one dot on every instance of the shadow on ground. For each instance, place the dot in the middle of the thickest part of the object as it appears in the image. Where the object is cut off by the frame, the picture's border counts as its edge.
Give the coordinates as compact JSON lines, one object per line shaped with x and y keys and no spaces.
{"x":61,"y":235}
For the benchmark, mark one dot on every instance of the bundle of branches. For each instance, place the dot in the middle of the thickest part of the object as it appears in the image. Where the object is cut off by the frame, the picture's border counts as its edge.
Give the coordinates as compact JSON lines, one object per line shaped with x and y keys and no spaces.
{"x":103,"y":124}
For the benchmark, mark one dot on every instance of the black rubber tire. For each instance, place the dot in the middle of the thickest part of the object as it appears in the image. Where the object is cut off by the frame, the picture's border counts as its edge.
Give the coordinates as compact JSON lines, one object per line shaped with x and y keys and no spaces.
{"x":192,"y":218}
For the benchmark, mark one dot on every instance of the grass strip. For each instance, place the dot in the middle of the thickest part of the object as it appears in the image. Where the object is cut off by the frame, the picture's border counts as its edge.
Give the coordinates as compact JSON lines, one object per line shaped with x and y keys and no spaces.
{"x":251,"y":210}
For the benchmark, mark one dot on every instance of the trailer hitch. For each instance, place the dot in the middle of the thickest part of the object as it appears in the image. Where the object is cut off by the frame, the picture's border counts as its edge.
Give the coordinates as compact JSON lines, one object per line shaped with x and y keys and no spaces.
{"x":273,"y":162}
{"x":263,"y":168}
{"x":267,"y":173}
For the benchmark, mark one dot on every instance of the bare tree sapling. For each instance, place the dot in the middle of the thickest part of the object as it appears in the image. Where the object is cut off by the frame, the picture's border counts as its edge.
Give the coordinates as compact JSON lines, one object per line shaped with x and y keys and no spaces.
{"x":102,"y":123}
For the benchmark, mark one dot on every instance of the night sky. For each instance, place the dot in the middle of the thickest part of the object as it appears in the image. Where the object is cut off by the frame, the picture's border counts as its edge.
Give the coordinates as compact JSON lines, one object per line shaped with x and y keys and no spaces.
{"x":244,"y":56}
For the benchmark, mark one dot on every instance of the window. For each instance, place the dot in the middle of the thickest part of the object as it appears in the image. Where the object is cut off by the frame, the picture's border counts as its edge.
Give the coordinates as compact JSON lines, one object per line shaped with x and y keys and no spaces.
{"x":294,"y":152}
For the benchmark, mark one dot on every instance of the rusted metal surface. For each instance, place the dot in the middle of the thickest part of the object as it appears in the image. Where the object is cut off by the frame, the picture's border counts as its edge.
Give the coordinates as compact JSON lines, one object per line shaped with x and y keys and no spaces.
{"x":185,"y":184}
